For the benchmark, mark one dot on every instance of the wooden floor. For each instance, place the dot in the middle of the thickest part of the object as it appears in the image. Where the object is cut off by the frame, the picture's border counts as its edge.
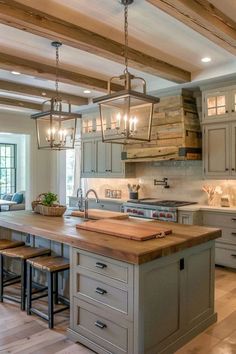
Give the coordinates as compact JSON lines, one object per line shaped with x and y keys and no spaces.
{"x":24,"y":334}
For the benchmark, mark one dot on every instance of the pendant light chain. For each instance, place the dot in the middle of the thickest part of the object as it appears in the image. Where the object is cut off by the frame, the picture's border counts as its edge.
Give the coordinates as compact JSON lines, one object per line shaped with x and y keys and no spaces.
{"x":126,"y":37}
{"x":57,"y":72}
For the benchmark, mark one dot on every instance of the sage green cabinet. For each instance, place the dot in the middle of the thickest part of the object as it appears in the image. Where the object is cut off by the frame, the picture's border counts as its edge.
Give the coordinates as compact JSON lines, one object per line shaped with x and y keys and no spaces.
{"x":155,"y":307}
{"x":219,"y":146}
{"x":103,"y":160}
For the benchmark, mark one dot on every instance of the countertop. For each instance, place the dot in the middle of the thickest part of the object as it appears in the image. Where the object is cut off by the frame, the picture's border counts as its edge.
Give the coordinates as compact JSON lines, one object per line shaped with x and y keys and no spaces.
{"x":62,"y":229}
{"x":197,"y":207}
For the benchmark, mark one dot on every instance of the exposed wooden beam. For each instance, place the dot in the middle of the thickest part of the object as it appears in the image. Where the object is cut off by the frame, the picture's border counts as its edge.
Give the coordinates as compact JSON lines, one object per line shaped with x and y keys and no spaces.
{"x":19,"y":103}
{"x":36,"y":68}
{"x":31,"y":20}
{"x":204,"y":18}
{"x":40,"y":92}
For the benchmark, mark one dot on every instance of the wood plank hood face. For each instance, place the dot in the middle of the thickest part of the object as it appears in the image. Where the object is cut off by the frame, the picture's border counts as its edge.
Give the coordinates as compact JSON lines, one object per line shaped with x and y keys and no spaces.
{"x":176,"y":132}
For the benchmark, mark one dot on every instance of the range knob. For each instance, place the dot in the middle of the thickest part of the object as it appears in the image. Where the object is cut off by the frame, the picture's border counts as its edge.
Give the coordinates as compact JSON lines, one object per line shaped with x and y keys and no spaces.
{"x":155,"y":214}
{"x":169,"y":216}
{"x":140,"y":212}
{"x":162,"y":215}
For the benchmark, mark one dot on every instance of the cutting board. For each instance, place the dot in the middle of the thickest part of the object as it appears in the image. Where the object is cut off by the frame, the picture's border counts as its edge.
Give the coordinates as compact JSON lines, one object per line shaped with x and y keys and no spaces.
{"x":100,"y":214}
{"x":139,"y":231}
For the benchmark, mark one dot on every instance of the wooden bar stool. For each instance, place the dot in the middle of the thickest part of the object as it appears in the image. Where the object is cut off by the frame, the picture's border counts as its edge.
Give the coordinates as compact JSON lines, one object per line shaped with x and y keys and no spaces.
{"x":51,"y":266}
{"x":9,"y":276}
{"x":21,"y":253}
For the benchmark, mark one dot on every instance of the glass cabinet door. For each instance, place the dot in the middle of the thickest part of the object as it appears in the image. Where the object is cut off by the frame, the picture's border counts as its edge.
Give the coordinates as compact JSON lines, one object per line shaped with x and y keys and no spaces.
{"x":216,"y":105}
{"x":233,"y":101}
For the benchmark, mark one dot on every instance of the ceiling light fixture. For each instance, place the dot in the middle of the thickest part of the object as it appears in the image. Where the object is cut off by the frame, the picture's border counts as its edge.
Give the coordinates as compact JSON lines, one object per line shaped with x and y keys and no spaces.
{"x":206,"y":59}
{"x":56,"y":126}
{"x":15,"y":72}
{"x":87,"y":91}
{"x":126,"y":115}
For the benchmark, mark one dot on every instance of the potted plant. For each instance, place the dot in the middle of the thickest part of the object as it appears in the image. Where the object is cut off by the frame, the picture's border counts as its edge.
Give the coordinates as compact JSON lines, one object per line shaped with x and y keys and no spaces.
{"x":47,"y":204}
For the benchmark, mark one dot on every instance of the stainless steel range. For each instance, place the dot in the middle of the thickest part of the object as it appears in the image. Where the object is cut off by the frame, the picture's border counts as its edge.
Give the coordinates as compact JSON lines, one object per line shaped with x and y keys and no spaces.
{"x":151,"y":208}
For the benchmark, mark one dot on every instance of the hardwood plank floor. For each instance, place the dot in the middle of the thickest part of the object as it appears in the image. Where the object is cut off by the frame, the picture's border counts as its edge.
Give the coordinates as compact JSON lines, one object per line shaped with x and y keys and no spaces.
{"x":22,"y":334}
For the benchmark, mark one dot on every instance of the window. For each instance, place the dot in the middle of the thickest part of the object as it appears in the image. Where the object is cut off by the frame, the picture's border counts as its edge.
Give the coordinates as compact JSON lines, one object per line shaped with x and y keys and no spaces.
{"x":70,"y":168}
{"x":7,"y":168}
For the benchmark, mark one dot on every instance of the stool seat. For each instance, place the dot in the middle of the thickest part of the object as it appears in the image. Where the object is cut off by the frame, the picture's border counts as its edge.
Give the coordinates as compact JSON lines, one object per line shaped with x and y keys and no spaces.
{"x":24,"y":252}
{"x":10,"y":244}
{"x":49,"y":263}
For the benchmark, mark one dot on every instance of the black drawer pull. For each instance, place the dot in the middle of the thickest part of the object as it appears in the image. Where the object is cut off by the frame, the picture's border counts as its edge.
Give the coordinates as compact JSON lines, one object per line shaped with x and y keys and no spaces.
{"x":101,"y":325}
{"x":101,"y":291}
{"x":233,"y":219}
{"x":101,"y":265}
{"x":233,"y":233}
{"x":233,"y":255}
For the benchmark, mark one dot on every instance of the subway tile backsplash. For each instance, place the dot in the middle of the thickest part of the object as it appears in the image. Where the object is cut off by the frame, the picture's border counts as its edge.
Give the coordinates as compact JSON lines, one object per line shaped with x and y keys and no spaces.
{"x":184,"y":177}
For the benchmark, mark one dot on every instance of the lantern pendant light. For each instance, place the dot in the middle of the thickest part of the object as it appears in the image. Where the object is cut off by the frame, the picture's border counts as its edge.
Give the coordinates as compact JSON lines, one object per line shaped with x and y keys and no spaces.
{"x":56,"y":124}
{"x":126,"y":116}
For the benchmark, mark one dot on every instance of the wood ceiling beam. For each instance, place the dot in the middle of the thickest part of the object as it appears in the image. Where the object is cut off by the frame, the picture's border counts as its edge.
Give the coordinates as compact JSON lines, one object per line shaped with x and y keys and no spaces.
{"x":204,"y":18}
{"x":15,"y":14}
{"x":37,"y":68}
{"x":20,"y":103}
{"x":40,"y":92}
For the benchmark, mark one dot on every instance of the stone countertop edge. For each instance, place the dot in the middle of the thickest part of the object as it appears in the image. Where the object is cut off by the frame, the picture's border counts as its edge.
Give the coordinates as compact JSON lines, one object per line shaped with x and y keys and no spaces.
{"x":199,"y":207}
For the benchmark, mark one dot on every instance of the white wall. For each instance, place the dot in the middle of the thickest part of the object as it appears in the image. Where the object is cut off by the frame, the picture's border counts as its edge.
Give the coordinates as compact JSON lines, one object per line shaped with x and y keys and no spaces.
{"x":39,"y":164}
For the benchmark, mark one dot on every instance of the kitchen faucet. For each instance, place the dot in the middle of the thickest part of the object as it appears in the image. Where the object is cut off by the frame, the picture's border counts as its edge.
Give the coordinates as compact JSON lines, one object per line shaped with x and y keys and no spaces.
{"x":86,"y":201}
{"x":79,"y":195}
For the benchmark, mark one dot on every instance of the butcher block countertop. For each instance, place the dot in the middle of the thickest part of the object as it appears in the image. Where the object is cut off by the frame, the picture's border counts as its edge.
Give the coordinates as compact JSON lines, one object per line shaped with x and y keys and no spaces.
{"x":64,"y":230}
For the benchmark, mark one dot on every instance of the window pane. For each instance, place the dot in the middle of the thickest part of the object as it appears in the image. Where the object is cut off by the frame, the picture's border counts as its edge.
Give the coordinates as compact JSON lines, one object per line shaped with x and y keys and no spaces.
{"x":221,"y":110}
{"x":7,"y":169}
{"x":221,"y":101}
{"x":212,"y":112}
{"x":211,"y":102}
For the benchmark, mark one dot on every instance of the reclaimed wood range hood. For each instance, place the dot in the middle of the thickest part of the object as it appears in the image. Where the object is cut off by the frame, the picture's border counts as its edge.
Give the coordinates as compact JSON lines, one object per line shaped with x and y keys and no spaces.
{"x":176,"y":132}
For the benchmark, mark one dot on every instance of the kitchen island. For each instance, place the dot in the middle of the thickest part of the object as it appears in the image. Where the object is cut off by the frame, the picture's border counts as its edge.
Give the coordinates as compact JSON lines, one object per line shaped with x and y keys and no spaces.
{"x":128,"y":296}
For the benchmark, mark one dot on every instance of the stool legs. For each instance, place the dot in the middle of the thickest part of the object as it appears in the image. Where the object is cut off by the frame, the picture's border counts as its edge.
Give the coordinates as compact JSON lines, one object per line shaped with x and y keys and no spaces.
{"x":29,"y":288}
{"x":56,"y":288}
{"x":50,"y":299}
{"x":1,"y":278}
{"x":23,"y":284}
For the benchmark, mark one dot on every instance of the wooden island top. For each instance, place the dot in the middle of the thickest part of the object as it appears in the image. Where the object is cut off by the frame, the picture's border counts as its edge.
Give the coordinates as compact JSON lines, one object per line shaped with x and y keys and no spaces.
{"x":63,"y":229}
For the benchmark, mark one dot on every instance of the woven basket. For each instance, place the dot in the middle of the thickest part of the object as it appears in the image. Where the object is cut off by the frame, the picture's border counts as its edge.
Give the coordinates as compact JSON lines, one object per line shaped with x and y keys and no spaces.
{"x":36,"y":202}
{"x":57,"y":210}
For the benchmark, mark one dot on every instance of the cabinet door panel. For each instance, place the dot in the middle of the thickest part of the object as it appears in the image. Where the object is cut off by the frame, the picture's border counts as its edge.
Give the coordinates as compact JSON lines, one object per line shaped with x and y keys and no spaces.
{"x":162,"y":308}
{"x":116,"y":163}
{"x":216,"y":150}
{"x":101,"y":157}
{"x":233,"y":149}
{"x":216,"y":105}
{"x":88,"y":157}
{"x":199,"y":299}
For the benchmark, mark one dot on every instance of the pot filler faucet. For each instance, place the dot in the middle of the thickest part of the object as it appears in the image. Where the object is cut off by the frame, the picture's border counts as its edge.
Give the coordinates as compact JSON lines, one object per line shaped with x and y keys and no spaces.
{"x":86,"y":201}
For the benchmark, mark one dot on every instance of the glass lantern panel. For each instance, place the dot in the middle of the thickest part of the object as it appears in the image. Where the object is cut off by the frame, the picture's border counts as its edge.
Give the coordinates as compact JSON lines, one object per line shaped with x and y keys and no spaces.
{"x":57,"y":134}
{"x":129,"y":117}
{"x":220,"y":110}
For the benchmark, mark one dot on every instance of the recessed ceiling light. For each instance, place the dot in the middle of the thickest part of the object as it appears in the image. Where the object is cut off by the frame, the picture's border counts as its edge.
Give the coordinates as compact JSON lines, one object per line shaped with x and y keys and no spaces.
{"x":15,"y":72}
{"x":44,"y":94}
{"x":206,"y":59}
{"x":87,"y":91}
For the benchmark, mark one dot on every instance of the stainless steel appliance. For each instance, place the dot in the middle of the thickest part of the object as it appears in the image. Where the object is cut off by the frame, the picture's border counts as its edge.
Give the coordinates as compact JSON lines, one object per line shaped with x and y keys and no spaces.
{"x":151,"y":208}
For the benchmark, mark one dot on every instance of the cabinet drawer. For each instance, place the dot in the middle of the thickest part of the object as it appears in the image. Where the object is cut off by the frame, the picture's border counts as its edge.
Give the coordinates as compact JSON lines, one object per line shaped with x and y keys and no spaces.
{"x":101,"y":265}
{"x":219,"y":219}
{"x":90,"y":289}
{"x":228,"y":235}
{"x":88,"y":322}
{"x":225,"y":256}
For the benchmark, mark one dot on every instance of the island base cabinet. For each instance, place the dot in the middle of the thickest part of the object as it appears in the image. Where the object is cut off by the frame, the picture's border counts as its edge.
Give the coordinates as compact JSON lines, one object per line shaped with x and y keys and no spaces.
{"x":173,"y":301}
{"x":108,"y":333}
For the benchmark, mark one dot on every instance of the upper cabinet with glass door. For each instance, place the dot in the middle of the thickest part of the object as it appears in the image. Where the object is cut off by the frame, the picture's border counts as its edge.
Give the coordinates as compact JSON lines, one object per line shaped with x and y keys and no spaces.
{"x":219,"y":105}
